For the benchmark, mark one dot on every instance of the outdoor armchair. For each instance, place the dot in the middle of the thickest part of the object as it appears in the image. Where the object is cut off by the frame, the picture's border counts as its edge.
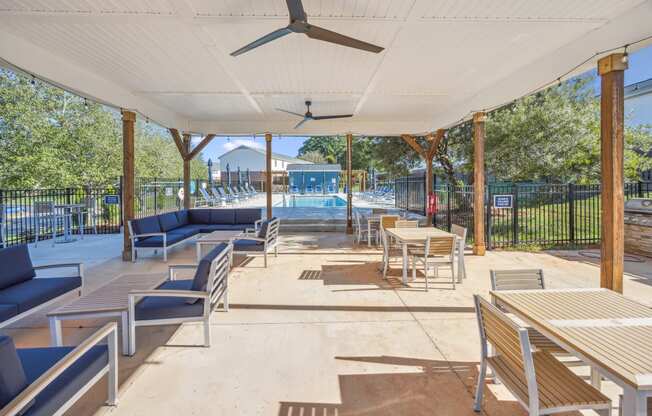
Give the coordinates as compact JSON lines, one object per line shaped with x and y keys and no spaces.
{"x":187,"y":300}
{"x":22,"y":292}
{"x":262,"y":242}
{"x":48,"y":381}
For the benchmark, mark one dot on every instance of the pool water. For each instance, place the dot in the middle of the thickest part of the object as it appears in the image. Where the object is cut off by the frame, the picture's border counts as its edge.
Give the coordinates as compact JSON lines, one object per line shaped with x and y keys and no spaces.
{"x":313,"y":202}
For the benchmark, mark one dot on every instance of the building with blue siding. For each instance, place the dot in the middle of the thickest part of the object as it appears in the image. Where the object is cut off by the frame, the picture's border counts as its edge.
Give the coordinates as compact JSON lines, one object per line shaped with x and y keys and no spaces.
{"x":314,"y":179}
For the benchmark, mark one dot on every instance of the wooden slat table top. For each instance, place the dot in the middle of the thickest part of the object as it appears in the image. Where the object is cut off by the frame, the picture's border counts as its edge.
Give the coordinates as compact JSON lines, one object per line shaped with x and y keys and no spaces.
{"x":607,"y":328}
{"x":218,"y":236}
{"x":111,"y":297}
{"x":416,"y":235}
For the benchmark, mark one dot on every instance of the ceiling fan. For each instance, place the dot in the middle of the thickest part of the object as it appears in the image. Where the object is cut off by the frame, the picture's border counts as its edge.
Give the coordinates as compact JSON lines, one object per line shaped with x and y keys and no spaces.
{"x":299,"y":24}
{"x":309,"y":116}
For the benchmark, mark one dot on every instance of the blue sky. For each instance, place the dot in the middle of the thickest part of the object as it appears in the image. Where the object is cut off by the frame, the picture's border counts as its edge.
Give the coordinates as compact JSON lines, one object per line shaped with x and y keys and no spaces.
{"x":640,"y":69}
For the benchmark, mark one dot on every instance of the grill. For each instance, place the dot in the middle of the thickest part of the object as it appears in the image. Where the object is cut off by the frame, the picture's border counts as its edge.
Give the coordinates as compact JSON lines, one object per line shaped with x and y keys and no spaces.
{"x":638,"y":226}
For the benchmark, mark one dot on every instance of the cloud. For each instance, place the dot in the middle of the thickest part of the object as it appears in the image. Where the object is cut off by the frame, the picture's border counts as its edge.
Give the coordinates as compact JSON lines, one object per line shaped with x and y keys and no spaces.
{"x":233,"y":143}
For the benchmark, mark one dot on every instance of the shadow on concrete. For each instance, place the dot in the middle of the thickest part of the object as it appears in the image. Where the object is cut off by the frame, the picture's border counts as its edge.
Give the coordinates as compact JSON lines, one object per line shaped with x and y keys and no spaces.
{"x":353,"y":308}
{"x":431,"y":387}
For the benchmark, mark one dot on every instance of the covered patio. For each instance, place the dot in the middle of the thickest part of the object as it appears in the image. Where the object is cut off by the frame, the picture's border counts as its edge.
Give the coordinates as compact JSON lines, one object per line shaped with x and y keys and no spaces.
{"x":320,"y":331}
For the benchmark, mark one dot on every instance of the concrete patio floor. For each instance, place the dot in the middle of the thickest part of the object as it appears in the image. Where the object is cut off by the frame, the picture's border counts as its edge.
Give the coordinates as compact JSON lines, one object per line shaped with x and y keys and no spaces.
{"x":319,"y":332}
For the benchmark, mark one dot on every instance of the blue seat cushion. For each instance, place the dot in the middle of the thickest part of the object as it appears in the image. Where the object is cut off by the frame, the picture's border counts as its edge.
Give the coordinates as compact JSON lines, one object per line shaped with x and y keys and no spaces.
{"x":12,"y":375}
{"x":37,"y":291}
{"x":199,"y":216}
{"x":152,"y":307}
{"x":247,"y":215}
{"x":16,"y":266}
{"x":146,"y":225}
{"x":183,"y":232}
{"x":8,"y":311}
{"x":182,"y":217}
{"x":209,"y":228}
{"x":157,"y":240}
{"x":37,"y":361}
{"x":248,"y":245}
{"x":222,"y":216}
{"x":168,"y":221}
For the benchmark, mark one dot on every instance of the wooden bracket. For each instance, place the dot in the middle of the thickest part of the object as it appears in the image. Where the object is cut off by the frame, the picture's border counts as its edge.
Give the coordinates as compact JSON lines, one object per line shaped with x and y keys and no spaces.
{"x":184,"y":148}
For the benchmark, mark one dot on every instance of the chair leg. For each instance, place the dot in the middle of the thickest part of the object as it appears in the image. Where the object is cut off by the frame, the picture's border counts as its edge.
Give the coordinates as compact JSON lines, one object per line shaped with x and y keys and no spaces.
{"x":132,"y":338}
{"x":275,"y":251}
{"x":479,"y":391}
{"x":165,"y":254}
{"x":265,"y":256}
{"x":425,"y":271}
{"x":414,"y":267}
{"x":207,"y":332}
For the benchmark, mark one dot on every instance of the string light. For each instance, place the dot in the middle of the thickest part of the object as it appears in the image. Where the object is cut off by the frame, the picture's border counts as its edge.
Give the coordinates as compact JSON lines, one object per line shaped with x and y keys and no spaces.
{"x":33,"y":81}
{"x":625,"y":55}
{"x":85,"y":103}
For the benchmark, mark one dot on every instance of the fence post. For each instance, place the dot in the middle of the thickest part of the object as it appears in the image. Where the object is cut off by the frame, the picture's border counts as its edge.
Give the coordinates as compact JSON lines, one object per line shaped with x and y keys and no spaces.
{"x":155,"y":197}
{"x":571,"y":212}
{"x":449,"y":214}
{"x":488,"y":217}
{"x":120,"y":204}
{"x":640,"y":189}
{"x":515,"y":225}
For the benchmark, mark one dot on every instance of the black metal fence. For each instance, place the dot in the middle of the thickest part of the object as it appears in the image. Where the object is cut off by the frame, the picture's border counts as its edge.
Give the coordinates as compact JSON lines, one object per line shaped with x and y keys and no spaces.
{"x":539,"y":214}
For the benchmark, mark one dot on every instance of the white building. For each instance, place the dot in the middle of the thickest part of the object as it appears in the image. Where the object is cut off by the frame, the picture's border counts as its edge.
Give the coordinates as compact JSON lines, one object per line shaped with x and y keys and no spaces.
{"x":253,"y":159}
{"x":638,"y":103}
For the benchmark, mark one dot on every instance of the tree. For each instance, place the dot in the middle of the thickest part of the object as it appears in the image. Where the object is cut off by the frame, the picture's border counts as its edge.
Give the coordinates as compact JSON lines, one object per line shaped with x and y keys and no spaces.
{"x":314,"y":157}
{"x":333,"y":150}
{"x":51,"y":138}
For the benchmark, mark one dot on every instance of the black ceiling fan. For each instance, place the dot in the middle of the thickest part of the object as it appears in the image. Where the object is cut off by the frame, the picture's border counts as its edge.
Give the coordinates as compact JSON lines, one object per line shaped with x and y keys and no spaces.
{"x":309,"y":116}
{"x":299,"y":24}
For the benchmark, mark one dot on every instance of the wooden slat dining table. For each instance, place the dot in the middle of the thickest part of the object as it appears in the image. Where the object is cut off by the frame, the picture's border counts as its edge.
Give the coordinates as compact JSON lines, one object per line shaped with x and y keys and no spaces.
{"x":407,"y":236}
{"x":604,"y":329}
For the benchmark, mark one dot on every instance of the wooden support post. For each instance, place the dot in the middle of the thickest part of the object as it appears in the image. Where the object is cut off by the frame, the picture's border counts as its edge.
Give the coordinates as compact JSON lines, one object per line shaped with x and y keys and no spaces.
{"x":349,"y":184}
{"x":186,"y":172}
{"x":479,"y":246}
{"x":612,"y":70}
{"x":268,"y":173}
{"x":128,"y":173}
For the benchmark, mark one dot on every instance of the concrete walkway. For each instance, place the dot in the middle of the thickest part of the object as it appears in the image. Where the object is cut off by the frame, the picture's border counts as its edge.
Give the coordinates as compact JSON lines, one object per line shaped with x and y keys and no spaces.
{"x":318,"y":332}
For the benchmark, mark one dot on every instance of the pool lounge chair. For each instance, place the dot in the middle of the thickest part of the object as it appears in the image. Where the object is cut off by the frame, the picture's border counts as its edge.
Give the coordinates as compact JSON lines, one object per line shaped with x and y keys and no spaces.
{"x":294,"y":189}
{"x":330,"y":189}
{"x":225,"y":196}
{"x":308,"y":189}
{"x":251,"y":189}
{"x":205,"y":200}
{"x":185,"y":300}
{"x":318,"y":189}
{"x":49,"y":381}
{"x":219,"y":199}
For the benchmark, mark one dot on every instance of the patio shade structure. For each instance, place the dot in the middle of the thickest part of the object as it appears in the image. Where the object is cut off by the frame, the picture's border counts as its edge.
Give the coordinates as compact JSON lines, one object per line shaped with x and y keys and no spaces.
{"x":466,"y":57}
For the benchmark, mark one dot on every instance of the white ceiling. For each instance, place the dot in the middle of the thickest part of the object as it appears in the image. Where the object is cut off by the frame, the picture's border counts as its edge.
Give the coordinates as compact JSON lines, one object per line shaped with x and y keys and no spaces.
{"x":169,"y":59}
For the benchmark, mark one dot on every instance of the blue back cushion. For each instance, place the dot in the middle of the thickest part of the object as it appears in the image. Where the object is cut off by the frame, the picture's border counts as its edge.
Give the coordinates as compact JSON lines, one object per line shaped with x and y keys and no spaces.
{"x":223,"y":216}
{"x":262,"y":233}
{"x":199,"y":216}
{"x":182,"y":217}
{"x":12,"y":374}
{"x":146,"y":225}
{"x":247,"y":215}
{"x":168,"y":221}
{"x":200,"y":280}
{"x":16,"y":266}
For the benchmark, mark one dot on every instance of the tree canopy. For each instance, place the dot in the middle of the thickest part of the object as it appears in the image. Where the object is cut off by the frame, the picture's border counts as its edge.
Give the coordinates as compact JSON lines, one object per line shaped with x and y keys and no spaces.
{"x":51,"y":138}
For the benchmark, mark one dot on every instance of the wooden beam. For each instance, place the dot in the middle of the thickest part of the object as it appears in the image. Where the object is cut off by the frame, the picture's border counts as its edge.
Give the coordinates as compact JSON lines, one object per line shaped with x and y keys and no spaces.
{"x":612,"y":108}
{"x":412,"y":141}
{"x":128,"y":178}
{"x":479,"y":246}
{"x":204,"y":142}
{"x":268,"y":173}
{"x":186,"y":172}
{"x":349,"y":184}
{"x":178,"y":141}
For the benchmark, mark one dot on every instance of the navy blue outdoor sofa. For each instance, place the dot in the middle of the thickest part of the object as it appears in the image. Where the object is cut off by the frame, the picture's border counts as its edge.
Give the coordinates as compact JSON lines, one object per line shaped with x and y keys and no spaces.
{"x":167,"y":230}
{"x":48,"y":381}
{"x":22,"y":292}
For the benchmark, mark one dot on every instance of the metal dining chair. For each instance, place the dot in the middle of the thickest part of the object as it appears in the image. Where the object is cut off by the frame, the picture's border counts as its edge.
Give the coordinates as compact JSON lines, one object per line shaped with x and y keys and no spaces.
{"x":46,"y":214}
{"x":436,"y":252}
{"x":89,"y":212}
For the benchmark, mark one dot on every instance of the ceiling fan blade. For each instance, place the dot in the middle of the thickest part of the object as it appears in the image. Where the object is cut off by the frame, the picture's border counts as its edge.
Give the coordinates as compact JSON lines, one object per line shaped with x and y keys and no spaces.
{"x":330,"y":117}
{"x":290,"y":112}
{"x":296,"y":10}
{"x":319,"y":33}
{"x":265,"y":39}
{"x":301,"y":122}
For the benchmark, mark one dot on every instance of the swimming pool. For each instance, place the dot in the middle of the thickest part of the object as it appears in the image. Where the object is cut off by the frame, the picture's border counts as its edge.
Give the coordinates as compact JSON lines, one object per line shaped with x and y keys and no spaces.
{"x":294,"y":201}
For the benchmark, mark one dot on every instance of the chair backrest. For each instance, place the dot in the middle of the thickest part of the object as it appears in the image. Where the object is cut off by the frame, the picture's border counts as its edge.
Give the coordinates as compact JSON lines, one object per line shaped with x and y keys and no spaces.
{"x":440,"y":246}
{"x":459,"y":231}
{"x":524,"y":279}
{"x":43,"y":208}
{"x":271,"y":236}
{"x":406,"y":224}
{"x":388,"y":221}
{"x":510,"y":342}
{"x":219,"y":273}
